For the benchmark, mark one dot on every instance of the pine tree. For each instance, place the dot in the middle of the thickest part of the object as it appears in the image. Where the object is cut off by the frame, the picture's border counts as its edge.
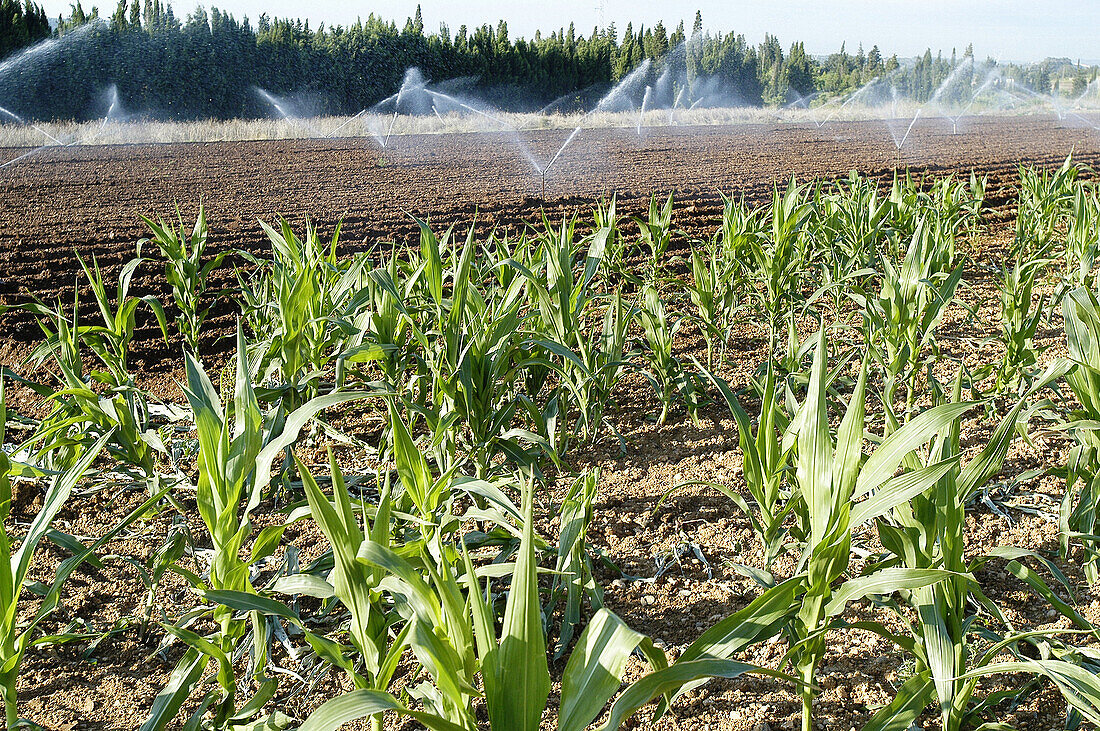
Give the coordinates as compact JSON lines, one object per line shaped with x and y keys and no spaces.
{"x":118,"y":20}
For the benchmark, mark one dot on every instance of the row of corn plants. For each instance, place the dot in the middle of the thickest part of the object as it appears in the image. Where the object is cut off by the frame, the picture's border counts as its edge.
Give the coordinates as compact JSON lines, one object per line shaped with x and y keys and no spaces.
{"x":482,"y":364}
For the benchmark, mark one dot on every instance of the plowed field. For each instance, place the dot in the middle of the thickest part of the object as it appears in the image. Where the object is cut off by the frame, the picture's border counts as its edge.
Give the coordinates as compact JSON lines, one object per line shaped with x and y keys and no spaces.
{"x":88,"y":199}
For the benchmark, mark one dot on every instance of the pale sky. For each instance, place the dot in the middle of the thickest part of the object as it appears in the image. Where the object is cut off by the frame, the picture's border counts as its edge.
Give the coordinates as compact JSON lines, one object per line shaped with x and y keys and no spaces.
{"x":1009,"y":30}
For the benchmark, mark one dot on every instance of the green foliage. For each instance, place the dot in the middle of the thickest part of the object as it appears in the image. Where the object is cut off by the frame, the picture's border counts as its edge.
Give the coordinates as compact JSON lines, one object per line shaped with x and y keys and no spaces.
{"x":487,"y":358}
{"x":21,"y":25}
{"x":106,"y":399}
{"x":900,"y":323}
{"x":1080,"y":511}
{"x":186,"y":273}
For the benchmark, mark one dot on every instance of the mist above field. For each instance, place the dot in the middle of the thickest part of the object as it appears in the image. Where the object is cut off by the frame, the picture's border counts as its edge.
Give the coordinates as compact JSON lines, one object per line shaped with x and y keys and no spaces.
{"x":208,"y":66}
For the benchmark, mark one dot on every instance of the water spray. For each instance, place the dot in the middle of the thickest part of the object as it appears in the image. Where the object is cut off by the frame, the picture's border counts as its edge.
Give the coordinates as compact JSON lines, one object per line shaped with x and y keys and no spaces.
{"x":21,"y":157}
{"x":906,"y":135}
{"x":554,"y":159}
{"x":389,"y":131}
{"x":452,"y":100}
{"x":603,"y":104}
{"x":280,"y":106}
{"x":851,"y":98}
{"x":346,"y":122}
{"x":35,"y":127}
{"x":676,"y":103}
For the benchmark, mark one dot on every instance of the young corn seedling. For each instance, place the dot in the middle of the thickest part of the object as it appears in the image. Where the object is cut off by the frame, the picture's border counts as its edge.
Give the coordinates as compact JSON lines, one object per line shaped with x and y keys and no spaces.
{"x":1020,"y":319}
{"x":740,"y":227}
{"x":234,"y":467}
{"x":381,"y":328}
{"x":900,"y":323}
{"x":476,"y":365}
{"x":1082,"y":236}
{"x":765,"y":462}
{"x":573,"y":579}
{"x":952,"y":647}
{"x":656,"y":235}
{"x":776,"y":257}
{"x":356,"y":584}
{"x":81,"y":411}
{"x":17,"y":625}
{"x":605,"y":227}
{"x":1080,"y":511}
{"x":304,"y":326}
{"x":185,"y":271}
{"x":831,"y":476}
{"x":589,"y":361}
{"x":666,"y":372}
{"x":852,"y":229}
{"x":1046,"y":201}
{"x":454,"y":636}
{"x":713,"y":291}
{"x":111,"y":340}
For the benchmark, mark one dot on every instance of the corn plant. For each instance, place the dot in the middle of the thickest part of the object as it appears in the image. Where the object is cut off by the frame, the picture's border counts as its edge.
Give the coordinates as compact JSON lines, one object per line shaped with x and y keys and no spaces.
{"x":666,"y":372}
{"x":950,"y":206}
{"x":17,"y":629}
{"x":380,"y":328}
{"x":588,"y":360}
{"x":185,"y":271}
{"x":1020,"y":319}
{"x":354,"y":583}
{"x":301,"y":300}
{"x":454,"y":637}
{"x":1082,"y":235}
{"x":474,"y":359}
{"x":605,"y":227}
{"x":656,"y":234}
{"x":740,"y":226}
{"x":765,"y":461}
{"x":900,"y":322}
{"x":1046,"y":201}
{"x":573,"y":578}
{"x":88,"y":405}
{"x":1081,"y":502}
{"x":853,"y":226}
{"x":713,"y":291}
{"x":830,"y":476}
{"x":857,"y":215}
{"x":489,"y":363}
{"x":111,"y":340}
{"x":774,"y":257}
{"x":234,"y":467}
{"x":952,"y":651}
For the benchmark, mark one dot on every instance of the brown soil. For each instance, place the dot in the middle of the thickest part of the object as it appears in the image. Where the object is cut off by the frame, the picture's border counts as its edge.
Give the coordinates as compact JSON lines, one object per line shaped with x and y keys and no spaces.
{"x":89,"y":199}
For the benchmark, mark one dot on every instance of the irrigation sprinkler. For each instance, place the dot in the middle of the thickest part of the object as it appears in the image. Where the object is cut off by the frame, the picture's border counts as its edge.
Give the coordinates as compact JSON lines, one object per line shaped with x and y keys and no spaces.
{"x":389,"y":131}
{"x":906,"y":136}
{"x":543,"y":172}
{"x":676,"y":103}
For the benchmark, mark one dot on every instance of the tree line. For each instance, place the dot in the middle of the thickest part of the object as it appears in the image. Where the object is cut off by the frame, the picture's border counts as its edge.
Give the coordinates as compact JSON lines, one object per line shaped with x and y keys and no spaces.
{"x":21,"y":25}
{"x":207,"y":64}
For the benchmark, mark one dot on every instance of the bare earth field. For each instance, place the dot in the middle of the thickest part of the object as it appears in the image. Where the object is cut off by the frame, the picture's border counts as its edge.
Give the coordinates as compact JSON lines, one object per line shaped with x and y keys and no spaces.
{"x":88,"y":199}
